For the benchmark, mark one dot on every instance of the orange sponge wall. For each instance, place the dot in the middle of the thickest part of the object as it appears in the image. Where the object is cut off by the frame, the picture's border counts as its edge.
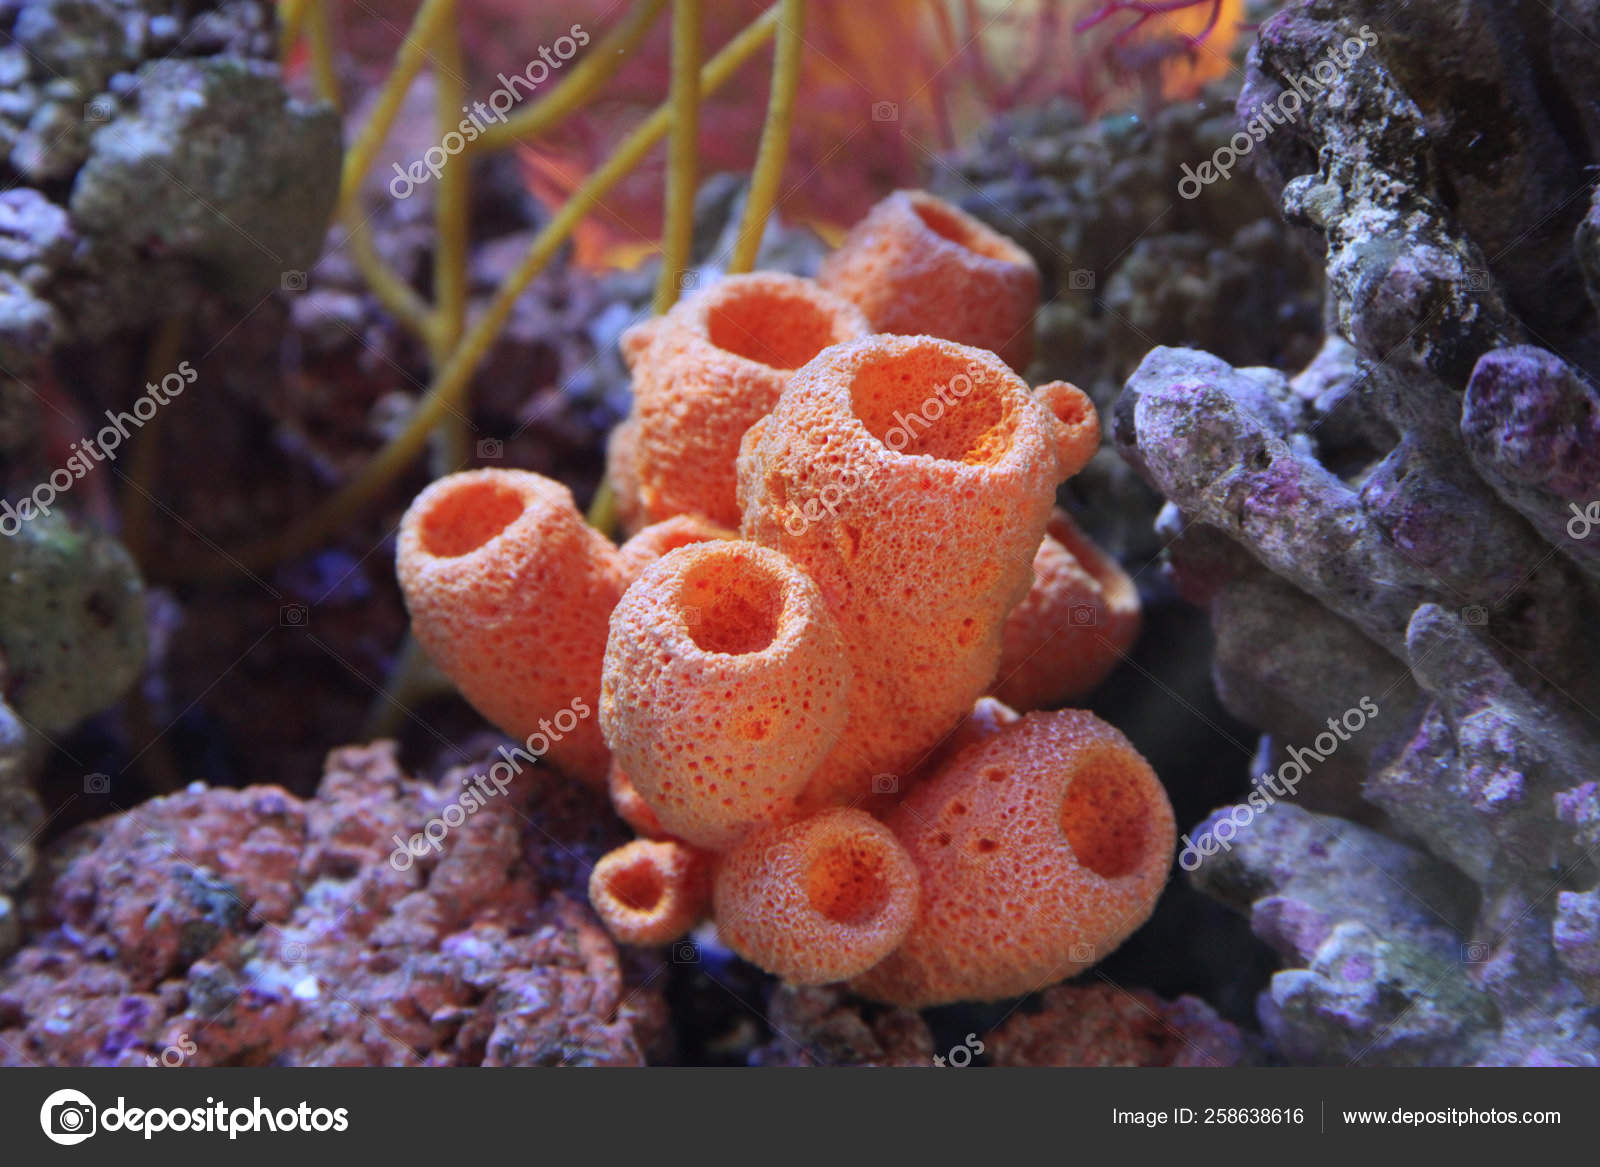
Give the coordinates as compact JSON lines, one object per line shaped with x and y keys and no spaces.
{"x":1040,"y":849}
{"x":725,"y":685}
{"x":1080,"y":618}
{"x":912,"y":479}
{"x":702,"y":374}
{"x":917,"y":264}
{"x":510,"y":593}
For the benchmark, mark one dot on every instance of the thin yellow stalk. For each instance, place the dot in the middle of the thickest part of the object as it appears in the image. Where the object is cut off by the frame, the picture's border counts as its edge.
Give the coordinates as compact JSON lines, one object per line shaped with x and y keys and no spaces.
{"x":451,"y":381}
{"x":677,"y":232}
{"x":451,"y":206}
{"x":580,"y":84}
{"x":146,"y":461}
{"x":320,"y":34}
{"x":413,"y":50}
{"x":774,"y":151}
{"x":291,"y":20}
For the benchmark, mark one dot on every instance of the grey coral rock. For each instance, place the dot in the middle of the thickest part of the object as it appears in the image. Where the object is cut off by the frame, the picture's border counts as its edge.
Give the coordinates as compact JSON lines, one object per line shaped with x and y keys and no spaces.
{"x":1405,"y":514}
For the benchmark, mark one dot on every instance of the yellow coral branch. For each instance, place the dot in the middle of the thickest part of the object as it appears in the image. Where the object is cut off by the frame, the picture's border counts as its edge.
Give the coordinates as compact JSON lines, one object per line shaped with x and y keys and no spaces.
{"x":146,"y":461}
{"x":408,"y":60}
{"x":677,"y":232}
{"x":451,"y":206}
{"x":580,"y":84}
{"x":452,"y":380}
{"x":320,"y":35}
{"x":774,"y":151}
{"x":291,"y":21}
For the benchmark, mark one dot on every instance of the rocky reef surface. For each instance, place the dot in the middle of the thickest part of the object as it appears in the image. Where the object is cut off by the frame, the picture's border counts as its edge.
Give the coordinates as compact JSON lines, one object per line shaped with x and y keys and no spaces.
{"x":1407,"y":522}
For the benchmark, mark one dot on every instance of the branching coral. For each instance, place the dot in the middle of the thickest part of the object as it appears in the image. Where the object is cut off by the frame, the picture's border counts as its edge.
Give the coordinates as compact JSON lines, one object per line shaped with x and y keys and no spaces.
{"x":1407,"y":505}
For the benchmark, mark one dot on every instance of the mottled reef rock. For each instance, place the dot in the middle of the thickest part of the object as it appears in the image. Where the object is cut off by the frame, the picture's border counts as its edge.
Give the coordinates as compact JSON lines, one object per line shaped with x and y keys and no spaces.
{"x":249,"y":927}
{"x":150,"y":153}
{"x":1404,"y":521}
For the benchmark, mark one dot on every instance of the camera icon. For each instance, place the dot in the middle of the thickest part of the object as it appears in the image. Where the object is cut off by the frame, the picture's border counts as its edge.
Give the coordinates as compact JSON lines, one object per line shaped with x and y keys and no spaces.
{"x":68,"y":1117}
{"x":491,"y":449}
{"x":1080,"y":280}
{"x":97,"y":783}
{"x":685,"y":952}
{"x":1082,"y":953}
{"x":98,"y":112}
{"x":293,"y":281}
{"x":292,"y":616}
{"x":885,"y":111}
{"x":885,"y":784}
{"x":1477,"y":281}
{"x":1475,"y":614}
{"x":293,"y":952}
{"x":1474,"y":953}
{"x":689,"y":280}
{"x":1083,"y":615}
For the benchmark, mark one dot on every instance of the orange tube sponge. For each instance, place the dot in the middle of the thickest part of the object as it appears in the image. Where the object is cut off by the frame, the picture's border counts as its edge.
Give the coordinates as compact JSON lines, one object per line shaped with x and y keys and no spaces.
{"x":509,"y":593}
{"x":657,"y":539}
{"x":702,"y":374}
{"x":724,"y":686}
{"x":917,"y":264}
{"x":1079,"y":619}
{"x":819,"y":900}
{"x":1040,"y":850}
{"x":912,"y":478}
{"x":631,"y":808}
{"x":650,"y":892}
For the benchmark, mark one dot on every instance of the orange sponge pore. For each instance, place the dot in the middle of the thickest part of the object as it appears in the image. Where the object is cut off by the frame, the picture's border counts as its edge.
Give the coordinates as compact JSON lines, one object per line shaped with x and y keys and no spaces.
{"x":650,"y":892}
{"x":1041,"y":848}
{"x":702,"y":375}
{"x":724,"y":687}
{"x":917,"y":264}
{"x":509,"y":593}
{"x":1079,"y":619}
{"x":818,"y":900}
{"x":912,"y":479}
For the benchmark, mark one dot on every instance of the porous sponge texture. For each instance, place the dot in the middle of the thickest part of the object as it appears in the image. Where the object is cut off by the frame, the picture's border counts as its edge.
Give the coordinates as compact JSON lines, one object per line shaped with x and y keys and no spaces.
{"x":510,"y":594}
{"x":702,"y":375}
{"x":724,"y":686}
{"x":1080,"y":617}
{"x":917,"y":264}
{"x":912,"y":479}
{"x":817,"y":900}
{"x":1040,"y":849}
{"x":650,"y":891}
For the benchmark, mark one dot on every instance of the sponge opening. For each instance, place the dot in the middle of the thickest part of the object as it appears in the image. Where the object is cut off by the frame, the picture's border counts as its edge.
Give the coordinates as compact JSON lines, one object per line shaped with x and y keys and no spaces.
{"x":468,"y":515}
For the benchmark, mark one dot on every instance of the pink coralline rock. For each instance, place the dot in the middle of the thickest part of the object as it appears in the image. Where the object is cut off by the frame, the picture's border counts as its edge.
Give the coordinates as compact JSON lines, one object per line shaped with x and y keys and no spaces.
{"x":1103,"y":1025}
{"x":249,"y":927}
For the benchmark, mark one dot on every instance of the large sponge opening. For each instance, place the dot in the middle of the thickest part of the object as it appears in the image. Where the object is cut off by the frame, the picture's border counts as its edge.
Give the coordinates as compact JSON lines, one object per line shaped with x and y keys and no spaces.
{"x":945,"y":223}
{"x":1106,"y":818}
{"x":932,"y":401}
{"x":731,"y":604}
{"x":465,"y":518}
{"x":777,"y":327}
{"x":848,"y":882}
